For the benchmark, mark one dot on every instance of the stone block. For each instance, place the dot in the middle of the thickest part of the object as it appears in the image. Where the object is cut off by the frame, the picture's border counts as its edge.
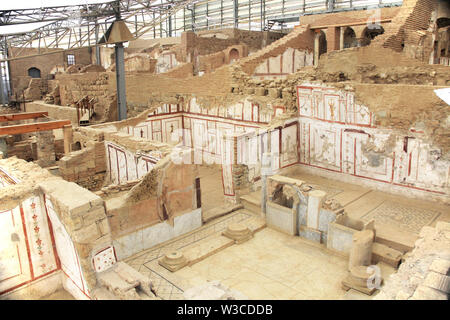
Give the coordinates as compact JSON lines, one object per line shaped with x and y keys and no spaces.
{"x":310,"y":234}
{"x":86,"y":234}
{"x":427,"y":293}
{"x":440,"y":266}
{"x":274,"y":93}
{"x":443,"y":226}
{"x":438,"y":281}
{"x":173,"y":261}
{"x":382,"y":253}
{"x":238,"y":232}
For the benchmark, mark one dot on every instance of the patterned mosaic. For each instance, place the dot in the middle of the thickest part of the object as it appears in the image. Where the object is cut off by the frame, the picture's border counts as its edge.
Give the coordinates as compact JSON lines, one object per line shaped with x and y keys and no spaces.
{"x":166,"y":289}
{"x":410,"y":219}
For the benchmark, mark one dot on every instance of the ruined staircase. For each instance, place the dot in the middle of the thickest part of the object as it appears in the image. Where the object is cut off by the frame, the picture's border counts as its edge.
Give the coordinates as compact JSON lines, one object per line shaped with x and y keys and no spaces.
{"x":274,"y":49}
{"x":252,"y":201}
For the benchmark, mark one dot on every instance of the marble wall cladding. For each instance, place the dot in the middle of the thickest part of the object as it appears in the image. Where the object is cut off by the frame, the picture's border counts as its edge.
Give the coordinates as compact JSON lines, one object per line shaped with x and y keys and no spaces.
{"x":187,"y":222}
{"x":302,"y":212}
{"x":325,"y":218}
{"x":339,"y":237}
{"x":146,"y":238}
{"x":281,"y":218}
{"x":310,"y":234}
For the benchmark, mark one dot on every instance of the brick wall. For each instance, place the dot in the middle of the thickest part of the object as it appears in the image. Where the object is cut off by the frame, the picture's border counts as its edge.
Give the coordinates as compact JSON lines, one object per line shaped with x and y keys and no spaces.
{"x":348,"y":17}
{"x":86,"y":167}
{"x":45,"y":63}
{"x":413,"y":15}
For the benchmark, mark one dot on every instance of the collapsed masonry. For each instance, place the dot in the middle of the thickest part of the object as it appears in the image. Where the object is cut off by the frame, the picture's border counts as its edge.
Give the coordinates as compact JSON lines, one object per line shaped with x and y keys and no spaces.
{"x":353,"y":104}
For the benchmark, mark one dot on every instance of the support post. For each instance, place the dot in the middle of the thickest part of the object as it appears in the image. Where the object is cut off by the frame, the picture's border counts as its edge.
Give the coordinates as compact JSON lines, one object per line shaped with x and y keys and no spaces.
{"x":97,"y":48}
{"x":120,"y":81}
{"x":2,"y":93}
{"x":236,"y":13}
{"x":316,"y":48}
{"x":266,"y":170}
{"x":68,"y":138}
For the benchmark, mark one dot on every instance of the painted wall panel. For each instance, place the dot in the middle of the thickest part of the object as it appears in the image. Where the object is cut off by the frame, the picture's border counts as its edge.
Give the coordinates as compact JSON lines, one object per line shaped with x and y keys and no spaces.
{"x":335,"y":133}
{"x":70,"y":262}
{"x":15,"y":266}
{"x":38,"y":233}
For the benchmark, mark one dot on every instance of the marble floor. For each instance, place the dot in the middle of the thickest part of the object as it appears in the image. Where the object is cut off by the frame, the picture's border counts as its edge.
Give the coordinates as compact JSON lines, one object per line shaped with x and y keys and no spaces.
{"x":271,"y":265}
{"x":274,"y":265}
{"x":397,"y":218}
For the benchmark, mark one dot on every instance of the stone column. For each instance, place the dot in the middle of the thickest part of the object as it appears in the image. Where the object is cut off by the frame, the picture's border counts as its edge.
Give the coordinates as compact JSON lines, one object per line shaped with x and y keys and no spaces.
{"x":361,"y":251}
{"x":315,"y":199}
{"x":341,"y":38}
{"x":68,"y":138}
{"x":45,"y":148}
{"x":266,"y":170}
{"x":316,"y":48}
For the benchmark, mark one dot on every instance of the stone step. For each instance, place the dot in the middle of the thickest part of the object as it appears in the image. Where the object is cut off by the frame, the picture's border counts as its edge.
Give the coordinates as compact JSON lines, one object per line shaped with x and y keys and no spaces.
{"x":218,"y":212}
{"x":251,"y":203}
{"x":400,"y":245}
{"x":206,"y":247}
{"x":202,"y":249}
{"x":383,"y":253}
{"x":104,"y":294}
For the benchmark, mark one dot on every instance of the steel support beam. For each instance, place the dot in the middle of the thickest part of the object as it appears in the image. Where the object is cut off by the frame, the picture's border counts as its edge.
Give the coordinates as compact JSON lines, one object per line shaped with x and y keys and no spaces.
{"x":22,"y":116}
{"x":97,"y":48}
{"x":236,"y":13}
{"x":120,"y":81}
{"x":33,"y":127}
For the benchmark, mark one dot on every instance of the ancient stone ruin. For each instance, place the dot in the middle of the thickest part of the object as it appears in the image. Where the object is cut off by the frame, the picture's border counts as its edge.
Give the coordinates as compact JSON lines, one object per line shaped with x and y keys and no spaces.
{"x":307,"y":157}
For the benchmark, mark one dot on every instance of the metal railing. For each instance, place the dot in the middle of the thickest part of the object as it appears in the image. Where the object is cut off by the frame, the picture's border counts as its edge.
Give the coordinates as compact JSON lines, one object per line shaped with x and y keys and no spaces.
{"x":85,"y":106}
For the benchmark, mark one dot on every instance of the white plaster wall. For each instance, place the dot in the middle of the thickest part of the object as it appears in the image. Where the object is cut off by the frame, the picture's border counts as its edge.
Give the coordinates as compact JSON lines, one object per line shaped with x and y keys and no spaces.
{"x":339,"y":135}
{"x":73,"y":279}
{"x":15,"y":268}
{"x":290,"y":61}
{"x":124,"y":166}
{"x":26,"y":245}
{"x":165,"y":62}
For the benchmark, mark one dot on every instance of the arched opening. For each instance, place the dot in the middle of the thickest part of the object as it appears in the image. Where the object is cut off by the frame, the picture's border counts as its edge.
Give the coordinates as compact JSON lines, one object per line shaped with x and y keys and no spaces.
{"x":322,"y":43}
{"x":285,"y":195}
{"x":76,"y":146}
{"x":34,"y":72}
{"x":350,"y":40}
{"x":443,"y":22}
{"x":370,"y":33}
{"x":234,"y":55}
